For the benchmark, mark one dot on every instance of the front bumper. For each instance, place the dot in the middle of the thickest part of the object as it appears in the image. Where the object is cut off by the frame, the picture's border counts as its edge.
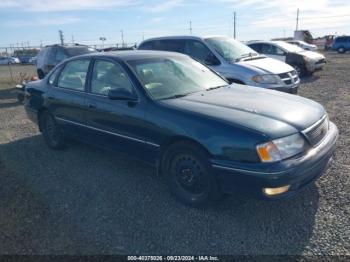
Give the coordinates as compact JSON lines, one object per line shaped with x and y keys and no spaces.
{"x":296,"y":172}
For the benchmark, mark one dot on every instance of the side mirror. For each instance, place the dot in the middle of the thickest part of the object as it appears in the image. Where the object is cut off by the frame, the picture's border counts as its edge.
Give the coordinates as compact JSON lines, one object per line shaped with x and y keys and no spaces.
{"x":211,"y":60}
{"x":121,"y":94}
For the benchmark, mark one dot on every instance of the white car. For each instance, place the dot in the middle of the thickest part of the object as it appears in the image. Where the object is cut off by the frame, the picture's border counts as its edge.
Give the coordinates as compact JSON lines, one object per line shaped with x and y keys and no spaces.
{"x":304,"y":62}
{"x":235,"y":61}
{"x":5,"y":60}
{"x":303,"y":45}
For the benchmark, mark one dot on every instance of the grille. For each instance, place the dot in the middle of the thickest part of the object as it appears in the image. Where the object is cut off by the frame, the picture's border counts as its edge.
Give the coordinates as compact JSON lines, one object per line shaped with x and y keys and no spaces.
{"x":289,"y":77}
{"x":317,"y":131}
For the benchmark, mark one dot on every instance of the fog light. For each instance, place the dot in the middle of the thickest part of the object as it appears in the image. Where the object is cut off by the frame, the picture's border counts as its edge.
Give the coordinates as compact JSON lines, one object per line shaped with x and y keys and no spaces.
{"x":275,"y":190}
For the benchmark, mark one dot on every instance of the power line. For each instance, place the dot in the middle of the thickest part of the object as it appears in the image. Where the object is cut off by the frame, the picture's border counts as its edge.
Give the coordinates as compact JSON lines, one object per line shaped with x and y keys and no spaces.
{"x":234,"y":25}
{"x":296,"y":28}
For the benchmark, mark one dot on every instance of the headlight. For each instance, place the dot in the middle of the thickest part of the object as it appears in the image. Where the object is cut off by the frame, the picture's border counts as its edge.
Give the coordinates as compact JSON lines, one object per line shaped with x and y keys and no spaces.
{"x":266,"y":79}
{"x":307,"y":59}
{"x":281,"y":148}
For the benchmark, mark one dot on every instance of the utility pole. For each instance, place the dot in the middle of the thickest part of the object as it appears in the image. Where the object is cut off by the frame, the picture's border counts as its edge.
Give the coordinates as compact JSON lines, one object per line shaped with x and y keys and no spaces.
{"x":122,"y":34}
{"x":234,"y":25}
{"x":61,"y":37}
{"x":73,"y":39}
{"x":297,"y":26}
{"x":191,"y":27}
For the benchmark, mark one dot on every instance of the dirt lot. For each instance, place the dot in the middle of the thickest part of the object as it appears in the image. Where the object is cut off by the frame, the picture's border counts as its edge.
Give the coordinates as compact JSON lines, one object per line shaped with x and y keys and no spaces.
{"x":88,"y":201}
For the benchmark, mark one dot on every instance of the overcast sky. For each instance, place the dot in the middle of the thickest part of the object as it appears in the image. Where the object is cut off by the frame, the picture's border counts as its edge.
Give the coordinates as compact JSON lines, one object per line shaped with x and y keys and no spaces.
{"x":87,"y":20}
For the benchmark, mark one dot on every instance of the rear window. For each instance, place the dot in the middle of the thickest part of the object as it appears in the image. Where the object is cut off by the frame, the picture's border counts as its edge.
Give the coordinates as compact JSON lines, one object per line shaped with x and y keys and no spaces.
{"x":74,"y":51}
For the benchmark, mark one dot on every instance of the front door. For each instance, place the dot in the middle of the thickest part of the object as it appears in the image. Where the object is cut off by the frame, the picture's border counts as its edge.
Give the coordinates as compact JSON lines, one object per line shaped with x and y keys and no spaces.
{"x":273,"y":52}
{"x":116,"y":124}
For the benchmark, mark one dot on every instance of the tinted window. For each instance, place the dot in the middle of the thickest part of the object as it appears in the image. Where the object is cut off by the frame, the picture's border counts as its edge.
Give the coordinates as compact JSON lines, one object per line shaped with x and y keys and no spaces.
{"x":73,"y":75}
{"x":146,"y":46}
{"x":256,"y":47}
{"x":197,"y":50}
{"x":60,"y":55}
{"x":81,"y":50}
{"x":340,"y":40}
{"x":108,"y":75}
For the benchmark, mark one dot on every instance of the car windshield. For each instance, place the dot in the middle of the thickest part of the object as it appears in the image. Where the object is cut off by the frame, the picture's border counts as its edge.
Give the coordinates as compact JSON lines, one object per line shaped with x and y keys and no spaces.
{"x":230,"y":49}
{"x":290,"y":47}
{"x":75,"y":51}
{"x":173,"y":77}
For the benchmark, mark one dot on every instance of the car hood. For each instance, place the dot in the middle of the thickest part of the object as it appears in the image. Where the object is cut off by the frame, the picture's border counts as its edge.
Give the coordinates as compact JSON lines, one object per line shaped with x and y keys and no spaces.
{"x":312,"y":55}
{"x":267,"y":65}
{"x":270,"y":112}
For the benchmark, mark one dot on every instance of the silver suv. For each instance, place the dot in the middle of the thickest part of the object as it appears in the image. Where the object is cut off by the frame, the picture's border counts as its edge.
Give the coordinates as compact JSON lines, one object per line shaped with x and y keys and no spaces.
{"x":235,"y":61}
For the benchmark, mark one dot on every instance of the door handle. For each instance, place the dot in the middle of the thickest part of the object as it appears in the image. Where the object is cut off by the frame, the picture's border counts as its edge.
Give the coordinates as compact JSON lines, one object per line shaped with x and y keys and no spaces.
{"x":92,"y":106}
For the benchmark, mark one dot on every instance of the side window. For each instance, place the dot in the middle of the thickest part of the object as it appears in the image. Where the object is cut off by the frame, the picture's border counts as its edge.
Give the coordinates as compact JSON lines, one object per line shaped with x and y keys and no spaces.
{"x":271,"y":50}
{"x":197,"y":50}
{"x":172,"y":45}
{"x":53,"y":76}
{"x":146,"y":46}
{"x":279,"y":51}
{"x":108,"y":75}
{"x":256,"y":47}
{"x":73,"y":76}
{"x":60,"y":55}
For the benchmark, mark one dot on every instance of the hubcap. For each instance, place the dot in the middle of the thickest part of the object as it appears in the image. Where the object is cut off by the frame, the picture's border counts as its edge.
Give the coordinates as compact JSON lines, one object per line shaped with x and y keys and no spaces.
{"x":297,"y":68}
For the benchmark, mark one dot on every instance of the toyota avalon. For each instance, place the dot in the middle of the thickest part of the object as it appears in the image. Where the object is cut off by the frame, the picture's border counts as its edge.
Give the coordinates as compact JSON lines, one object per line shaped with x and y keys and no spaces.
{"x":204,"y":136}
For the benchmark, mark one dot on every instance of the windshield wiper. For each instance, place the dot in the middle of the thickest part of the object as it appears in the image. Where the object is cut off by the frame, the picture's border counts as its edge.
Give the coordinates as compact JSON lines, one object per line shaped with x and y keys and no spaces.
{"x":179,"y":95}
{"x":250,"y":55}
{"x":214,"y":87}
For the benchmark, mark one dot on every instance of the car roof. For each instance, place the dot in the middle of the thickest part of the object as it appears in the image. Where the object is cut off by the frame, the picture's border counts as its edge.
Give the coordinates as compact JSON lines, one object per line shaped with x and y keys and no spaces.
{"x":180,"y":37}
{"x":129,"y":55}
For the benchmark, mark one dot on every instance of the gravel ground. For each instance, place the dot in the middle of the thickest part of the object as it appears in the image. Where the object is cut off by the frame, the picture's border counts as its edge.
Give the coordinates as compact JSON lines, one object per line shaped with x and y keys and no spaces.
{"x":88,"y":201}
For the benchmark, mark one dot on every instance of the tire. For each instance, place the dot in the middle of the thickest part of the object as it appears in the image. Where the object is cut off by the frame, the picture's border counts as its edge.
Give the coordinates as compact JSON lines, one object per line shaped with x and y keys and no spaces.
{"x":20,"y":97}
{"x":187,"y":172}
{"x":41,"y":74}
{"x":52,"y":133}
{"x":300,"y":70}
{"x":341,"y":50}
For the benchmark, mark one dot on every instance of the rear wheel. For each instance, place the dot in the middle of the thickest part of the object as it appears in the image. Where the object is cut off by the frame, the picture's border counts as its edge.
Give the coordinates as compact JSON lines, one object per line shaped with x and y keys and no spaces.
{"x":187,"y":173}
{"x":51,"y":131}
{"x":341,"y":50}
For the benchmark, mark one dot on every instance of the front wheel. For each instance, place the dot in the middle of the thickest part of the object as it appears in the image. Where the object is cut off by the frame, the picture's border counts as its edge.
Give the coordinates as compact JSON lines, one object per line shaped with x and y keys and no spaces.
{"x":51,"y":132}
{"x":187,"y":171}
{"x":301,"y":70}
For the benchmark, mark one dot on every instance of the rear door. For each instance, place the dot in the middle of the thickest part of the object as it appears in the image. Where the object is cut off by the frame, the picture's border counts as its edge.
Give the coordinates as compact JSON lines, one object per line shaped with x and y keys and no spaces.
{"x":67,"y":95}
{"x":116,"y":124}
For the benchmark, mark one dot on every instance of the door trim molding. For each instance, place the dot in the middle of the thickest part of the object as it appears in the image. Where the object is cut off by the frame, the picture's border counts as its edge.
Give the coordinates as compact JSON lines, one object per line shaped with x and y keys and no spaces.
{"x":107,"y":132}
